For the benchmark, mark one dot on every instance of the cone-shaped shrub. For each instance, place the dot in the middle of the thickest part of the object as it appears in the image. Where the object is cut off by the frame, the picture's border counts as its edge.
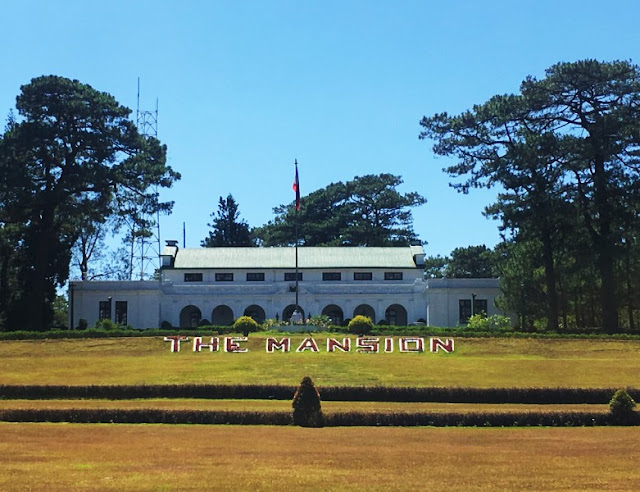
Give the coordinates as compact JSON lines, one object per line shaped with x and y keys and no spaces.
{"x":306,"y":405}
{"x":245,"y":325}
{"x":621,"y":406}
{"x":360,"y":325}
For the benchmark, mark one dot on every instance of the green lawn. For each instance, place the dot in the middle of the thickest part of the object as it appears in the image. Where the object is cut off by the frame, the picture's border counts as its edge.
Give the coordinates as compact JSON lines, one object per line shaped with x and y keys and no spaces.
{"x":476,"y":362}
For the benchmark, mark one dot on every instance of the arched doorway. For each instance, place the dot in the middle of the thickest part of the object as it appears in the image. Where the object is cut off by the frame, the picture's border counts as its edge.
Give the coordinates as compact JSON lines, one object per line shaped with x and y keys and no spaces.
{"x":288,"y":311}
{"x":335,"y":313}
{"x":190,"y":316}
{"x":256,"y":312}
{"x":396,"y":315}
{"x":365,"y":310}
{"x":222,"y":315}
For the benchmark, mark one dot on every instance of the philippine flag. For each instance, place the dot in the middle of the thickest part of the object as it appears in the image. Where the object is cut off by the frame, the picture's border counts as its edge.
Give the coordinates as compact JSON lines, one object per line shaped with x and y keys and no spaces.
{"x":296,"y":187}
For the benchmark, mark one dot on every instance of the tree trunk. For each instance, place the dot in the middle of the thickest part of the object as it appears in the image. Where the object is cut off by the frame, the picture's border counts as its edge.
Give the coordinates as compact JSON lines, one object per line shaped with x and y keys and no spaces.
{"x":39,"y":294}
{"x":608,"y":299}
{"x":630,"y":297}
{"x":605,"y":248}
{"x":550,"y":281}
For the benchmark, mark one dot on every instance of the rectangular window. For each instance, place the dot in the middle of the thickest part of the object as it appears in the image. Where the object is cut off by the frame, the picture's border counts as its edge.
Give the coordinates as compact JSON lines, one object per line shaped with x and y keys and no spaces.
{"x":255,"y":277}
{"x":193,"y":277}
{"x":464,"y":311}
{"x":331,"y":276}
{"x":104,"y":310}
{"x":121,"y":312}
{"x":362,"y":275}
{"x":480,"y":306}
{"x":291,"y":277}
{"x":393,"y":275}
{"x":224,"y":277}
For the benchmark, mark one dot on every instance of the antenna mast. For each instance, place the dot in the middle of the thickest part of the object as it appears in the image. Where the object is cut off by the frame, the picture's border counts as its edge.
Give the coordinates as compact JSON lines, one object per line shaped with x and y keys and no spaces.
{"x":145,"y":233}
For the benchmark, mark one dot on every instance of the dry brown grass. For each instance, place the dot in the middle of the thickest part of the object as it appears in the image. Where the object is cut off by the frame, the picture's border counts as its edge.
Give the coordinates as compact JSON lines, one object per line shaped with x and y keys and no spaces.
{"x":285,"y":406}
{"x":62,"y":457}
{"x":56,"y":457}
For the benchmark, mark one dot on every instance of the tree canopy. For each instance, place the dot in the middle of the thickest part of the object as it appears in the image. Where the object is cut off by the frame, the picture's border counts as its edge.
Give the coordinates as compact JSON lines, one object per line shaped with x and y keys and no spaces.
{"x":366,"y":211}
{"x":564,"y":153}
{"x":471,"y":262}
{"x":228,"y":229}
{"x":71,"y":158}
{"x":464,"y":262}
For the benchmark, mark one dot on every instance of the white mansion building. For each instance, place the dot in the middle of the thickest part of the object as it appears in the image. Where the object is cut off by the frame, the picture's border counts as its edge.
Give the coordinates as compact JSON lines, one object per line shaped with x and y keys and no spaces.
{"x":217,"y":285}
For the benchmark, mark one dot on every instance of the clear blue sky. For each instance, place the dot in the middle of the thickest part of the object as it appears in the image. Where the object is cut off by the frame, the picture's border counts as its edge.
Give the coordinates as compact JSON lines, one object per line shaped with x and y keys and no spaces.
{"x":246,"y":87}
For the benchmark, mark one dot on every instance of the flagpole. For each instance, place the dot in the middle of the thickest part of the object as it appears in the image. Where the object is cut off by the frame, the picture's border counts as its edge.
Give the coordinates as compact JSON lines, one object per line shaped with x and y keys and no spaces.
{"x":297,"y":306}
{"x":297,"y":190}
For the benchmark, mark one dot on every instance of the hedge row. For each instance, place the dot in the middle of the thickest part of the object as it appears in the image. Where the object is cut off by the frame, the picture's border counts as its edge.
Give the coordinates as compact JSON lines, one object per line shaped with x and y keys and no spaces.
{"x":479,"y":419}
{"x":93,"y":333}
{"x":474,"y":395}
{"x":153,"y":416}
{"x":122,"y":392}
{"x":422,"y":331}
{"x":335,"y":393}
{"x":145,"y":416}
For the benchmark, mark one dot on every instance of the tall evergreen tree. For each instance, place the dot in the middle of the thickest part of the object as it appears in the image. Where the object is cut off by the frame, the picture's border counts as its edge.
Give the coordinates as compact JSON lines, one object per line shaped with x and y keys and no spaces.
{"x":366,"y":211}
{"x":594,"y":108}
{"x":228,"y":229}
{"x":571,"y":138}
{"x":71,"y":157}
{"x":471,"y":262}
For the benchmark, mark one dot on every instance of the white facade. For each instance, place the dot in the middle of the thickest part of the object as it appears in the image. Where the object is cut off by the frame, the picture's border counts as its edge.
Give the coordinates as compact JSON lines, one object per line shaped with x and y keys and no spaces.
{"x":221,"y":284}
{"x":449,"y":300}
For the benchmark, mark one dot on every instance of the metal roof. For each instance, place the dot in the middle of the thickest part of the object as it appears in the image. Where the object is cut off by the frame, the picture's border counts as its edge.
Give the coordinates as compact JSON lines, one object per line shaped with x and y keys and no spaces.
{"x":308,"y":257}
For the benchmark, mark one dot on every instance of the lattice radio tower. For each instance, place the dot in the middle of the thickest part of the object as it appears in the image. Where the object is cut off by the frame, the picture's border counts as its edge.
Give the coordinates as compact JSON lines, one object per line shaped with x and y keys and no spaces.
{"x":145,"y":239}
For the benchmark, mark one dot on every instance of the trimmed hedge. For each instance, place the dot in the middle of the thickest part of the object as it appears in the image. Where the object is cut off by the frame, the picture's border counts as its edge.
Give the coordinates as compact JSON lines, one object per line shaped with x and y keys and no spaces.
{"x":479,"y":419}
{"x":116,"y":333}
{"x":472,"y":395}
{"x":154,"y":416}
{"x":121,"y":392}
{"x":329,"y":393}
{"x":145,"y":416}
{"x":378,"y":330}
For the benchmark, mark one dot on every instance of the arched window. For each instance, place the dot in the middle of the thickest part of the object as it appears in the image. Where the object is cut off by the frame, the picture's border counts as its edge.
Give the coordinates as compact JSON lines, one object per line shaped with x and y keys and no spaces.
{"x":288,"y":311}
{"x":396,"y":315}
{"x":222,"y":315}
{"x":190,"y":316}
{"x":256,"y":312}
{"x":365,"y":310}
{"x":335,"y":313}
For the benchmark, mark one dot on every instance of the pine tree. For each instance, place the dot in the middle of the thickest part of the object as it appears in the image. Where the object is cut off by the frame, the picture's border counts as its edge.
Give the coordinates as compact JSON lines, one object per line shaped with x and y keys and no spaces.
{"x":306,"y":405}
{"x":228,"y":230}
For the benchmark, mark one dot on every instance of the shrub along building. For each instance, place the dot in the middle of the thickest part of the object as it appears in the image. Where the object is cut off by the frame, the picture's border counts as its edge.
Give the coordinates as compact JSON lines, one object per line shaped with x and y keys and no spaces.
{"x":217,"y":285}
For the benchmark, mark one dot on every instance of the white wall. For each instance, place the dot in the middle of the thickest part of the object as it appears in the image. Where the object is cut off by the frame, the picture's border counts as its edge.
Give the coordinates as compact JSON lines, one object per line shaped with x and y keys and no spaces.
{"x":444,"y":294}
{"x":149,"y":303}
{"x":143,"y":301}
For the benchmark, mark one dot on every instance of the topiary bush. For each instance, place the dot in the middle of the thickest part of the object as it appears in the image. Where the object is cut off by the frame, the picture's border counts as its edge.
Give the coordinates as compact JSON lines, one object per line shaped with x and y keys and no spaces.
{"x":245,"y":325}
{"x":360,"y":325}
{"x":307,"y":411}
{"x":622,"y":407}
